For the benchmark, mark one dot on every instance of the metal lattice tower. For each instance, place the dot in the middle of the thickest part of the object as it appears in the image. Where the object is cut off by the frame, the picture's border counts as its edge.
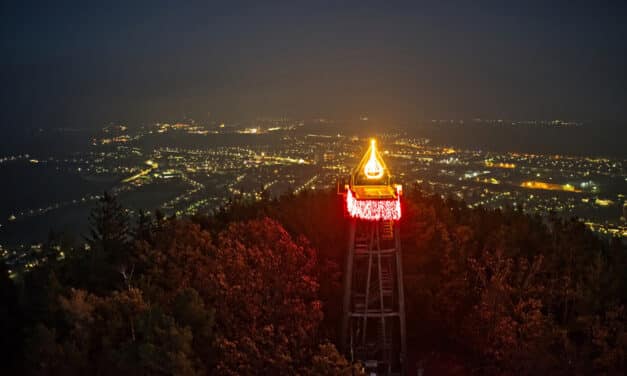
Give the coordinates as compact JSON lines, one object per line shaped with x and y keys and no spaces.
{"x":373,"y":323}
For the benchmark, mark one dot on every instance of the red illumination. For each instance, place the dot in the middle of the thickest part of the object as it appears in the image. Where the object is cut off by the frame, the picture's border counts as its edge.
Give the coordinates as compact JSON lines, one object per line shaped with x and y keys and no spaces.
{"x":373,"y":210}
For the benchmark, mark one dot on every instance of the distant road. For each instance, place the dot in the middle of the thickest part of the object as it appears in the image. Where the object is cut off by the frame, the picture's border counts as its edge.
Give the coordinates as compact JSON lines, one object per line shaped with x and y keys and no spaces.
{"x":153,"y":165}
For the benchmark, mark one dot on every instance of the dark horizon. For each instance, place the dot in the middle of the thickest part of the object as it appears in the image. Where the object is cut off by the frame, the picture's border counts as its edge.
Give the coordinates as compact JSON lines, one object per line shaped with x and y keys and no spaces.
{"x":72,"y":65}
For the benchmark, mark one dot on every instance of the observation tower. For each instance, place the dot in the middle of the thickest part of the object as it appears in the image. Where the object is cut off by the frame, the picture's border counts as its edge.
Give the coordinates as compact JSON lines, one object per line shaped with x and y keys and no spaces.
{"x":373,"y":321}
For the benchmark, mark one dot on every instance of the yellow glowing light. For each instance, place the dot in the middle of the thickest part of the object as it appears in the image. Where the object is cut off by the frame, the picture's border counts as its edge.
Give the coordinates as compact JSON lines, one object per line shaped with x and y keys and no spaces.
{"x":489,"y":163}
{"x":373,"y":169}
{"x":568,"y":188}
{"x":603,"y":202}
{"x":549,"y":186}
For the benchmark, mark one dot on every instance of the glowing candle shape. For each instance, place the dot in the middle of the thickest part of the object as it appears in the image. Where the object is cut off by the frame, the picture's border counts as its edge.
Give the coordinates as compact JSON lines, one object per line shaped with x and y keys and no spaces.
{"x":373,"y":168}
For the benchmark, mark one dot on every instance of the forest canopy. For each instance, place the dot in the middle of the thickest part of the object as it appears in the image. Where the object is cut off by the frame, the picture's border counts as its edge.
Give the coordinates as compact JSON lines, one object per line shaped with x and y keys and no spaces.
{"x":256,"y":289}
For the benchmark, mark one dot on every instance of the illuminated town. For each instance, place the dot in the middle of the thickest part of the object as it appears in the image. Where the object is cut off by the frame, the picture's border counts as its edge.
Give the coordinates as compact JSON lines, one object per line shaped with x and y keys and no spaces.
{"x":351,"y":188}
{"x":170,"y":168}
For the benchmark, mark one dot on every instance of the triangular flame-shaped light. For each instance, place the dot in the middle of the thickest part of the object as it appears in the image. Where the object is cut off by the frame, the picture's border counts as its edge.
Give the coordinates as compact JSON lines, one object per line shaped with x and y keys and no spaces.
{"x":373,"y":168}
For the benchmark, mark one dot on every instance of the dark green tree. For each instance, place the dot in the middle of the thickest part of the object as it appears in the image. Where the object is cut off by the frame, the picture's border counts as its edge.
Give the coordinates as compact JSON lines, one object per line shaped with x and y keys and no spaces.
{"x":10,"y":321}
{"x":109,"y":241}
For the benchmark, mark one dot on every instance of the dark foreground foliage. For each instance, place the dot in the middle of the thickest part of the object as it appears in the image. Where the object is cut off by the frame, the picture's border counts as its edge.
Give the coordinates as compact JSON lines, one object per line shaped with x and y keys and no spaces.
{"x":256,"y":289}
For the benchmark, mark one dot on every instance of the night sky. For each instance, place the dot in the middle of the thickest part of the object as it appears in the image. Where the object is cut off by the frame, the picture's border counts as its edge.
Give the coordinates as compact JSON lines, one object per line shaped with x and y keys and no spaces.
{"x":78,"y":65}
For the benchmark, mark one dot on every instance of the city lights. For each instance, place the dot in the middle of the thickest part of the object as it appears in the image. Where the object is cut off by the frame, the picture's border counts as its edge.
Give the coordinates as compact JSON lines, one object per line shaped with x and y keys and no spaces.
{"x":186,"y":180}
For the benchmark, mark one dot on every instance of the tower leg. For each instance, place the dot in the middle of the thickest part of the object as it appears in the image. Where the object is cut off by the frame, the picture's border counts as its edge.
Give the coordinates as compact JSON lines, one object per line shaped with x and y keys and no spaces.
{"x":401,"y":297}
{"x":371,"y":244}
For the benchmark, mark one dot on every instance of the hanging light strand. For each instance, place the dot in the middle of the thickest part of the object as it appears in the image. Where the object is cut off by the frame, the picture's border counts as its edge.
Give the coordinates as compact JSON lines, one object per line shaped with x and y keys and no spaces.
{"x":373,"y":210}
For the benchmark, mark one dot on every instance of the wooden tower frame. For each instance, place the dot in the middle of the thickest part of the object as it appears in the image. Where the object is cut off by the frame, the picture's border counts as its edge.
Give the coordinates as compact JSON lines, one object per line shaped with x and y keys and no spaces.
{"x":373,"y":321}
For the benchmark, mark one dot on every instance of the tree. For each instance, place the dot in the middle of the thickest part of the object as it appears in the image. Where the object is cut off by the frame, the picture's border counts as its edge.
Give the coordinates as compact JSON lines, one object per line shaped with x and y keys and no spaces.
{"x":109,"y":244}
{"x":245,"y":292}
{"x":329,"y":362}
{"x":266,"y":300}
{"x":117,"y":334}
{"x":10,"y":321}
{"x":109,"y":229}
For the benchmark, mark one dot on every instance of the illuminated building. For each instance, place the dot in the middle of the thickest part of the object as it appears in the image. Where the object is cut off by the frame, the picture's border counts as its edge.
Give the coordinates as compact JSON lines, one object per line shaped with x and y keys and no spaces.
{"x":373,"y":322}
{"x":549,"y":186}
{"x":489,"y":163}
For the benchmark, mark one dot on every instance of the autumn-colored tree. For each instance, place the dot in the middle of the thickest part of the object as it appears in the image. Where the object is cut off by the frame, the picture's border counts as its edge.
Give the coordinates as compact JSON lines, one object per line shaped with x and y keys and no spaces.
{"x":117,"y":334}
{"x":507,"y":293}
{"x":260,"y":282}
{"x":255,"y":290}
{"x":266,"y":303}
